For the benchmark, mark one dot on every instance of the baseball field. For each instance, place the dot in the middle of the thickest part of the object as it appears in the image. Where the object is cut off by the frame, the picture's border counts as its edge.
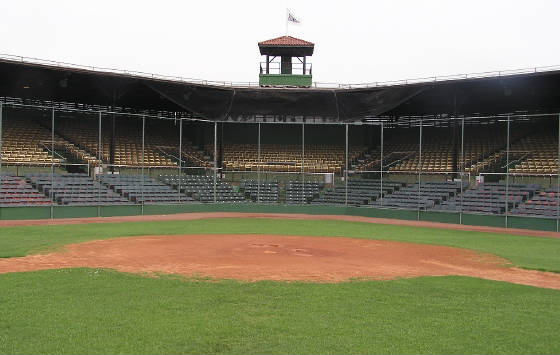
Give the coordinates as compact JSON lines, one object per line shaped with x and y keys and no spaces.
{"x":235,"y":283}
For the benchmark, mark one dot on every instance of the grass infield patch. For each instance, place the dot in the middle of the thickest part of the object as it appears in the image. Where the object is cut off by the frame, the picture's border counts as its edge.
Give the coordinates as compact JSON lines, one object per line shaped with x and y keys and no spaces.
{"x":78,"y":311}
{"x":527,"y":252}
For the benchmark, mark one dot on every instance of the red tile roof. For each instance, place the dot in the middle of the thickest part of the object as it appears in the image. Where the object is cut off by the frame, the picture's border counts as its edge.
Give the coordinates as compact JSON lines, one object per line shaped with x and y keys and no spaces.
{"x":286,"y":41}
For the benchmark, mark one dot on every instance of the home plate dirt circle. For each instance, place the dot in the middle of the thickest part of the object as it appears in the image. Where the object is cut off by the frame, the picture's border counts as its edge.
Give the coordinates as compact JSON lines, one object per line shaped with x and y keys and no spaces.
{"x":273,"y":257}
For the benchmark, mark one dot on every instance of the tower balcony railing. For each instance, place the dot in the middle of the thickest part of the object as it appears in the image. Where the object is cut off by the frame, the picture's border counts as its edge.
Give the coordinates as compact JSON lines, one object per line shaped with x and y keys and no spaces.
{"x":280,"y":68}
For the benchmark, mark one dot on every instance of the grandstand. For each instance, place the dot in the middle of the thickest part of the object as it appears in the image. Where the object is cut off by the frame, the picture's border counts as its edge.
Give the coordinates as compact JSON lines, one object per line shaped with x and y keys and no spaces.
{"x":288,"y":158}
{"x":483,"y":149}
{"x":15,"y":191}
{"x":26,"y":142}
{"x":461,"y":146}
{"x":538,"y":154}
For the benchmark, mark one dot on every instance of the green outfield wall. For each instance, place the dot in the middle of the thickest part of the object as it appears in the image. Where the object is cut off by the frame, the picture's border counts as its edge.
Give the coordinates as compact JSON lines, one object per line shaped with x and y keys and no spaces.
{"x":22,"y":213}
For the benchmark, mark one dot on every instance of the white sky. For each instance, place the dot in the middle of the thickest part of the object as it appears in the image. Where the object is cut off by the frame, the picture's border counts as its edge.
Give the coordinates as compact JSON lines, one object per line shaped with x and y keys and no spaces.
{"x":355,"y":41}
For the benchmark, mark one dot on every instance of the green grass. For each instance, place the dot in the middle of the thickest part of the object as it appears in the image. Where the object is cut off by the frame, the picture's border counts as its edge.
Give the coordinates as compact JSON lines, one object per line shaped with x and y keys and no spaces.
{"x":86,"y":311}
{"x":522,"y":251}
{"x":76,"y":311}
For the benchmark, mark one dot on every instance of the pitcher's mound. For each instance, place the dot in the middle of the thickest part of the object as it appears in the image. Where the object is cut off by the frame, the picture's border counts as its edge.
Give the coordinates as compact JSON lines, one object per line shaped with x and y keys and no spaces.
{"x":270,"y":257}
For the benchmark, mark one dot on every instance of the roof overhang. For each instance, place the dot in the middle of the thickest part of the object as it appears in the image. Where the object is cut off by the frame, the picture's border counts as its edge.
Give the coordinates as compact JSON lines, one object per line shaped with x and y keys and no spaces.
{"x":530,"y":92}
{"x":291,"y":51}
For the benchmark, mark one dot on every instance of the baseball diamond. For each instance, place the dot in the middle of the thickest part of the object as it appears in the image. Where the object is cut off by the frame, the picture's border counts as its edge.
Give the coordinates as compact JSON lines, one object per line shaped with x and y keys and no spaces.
{"x":150,"y":214}
{"x":225,"y":282}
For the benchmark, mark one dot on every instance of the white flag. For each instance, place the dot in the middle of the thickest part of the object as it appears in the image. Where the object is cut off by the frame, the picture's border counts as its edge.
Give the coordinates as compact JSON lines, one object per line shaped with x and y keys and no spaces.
{"x":292,"y":18}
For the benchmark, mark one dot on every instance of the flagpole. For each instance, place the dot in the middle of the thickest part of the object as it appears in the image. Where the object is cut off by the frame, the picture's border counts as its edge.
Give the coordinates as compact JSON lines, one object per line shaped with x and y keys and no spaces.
{"x":287,"y":14}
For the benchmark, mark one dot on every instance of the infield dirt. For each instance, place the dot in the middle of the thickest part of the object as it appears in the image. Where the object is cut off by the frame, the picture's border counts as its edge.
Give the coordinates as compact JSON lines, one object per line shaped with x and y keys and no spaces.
{"x":272,"y":257}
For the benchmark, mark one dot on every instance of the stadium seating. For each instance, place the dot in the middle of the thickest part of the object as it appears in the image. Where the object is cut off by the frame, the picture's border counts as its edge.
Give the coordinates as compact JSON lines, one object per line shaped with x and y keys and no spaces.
{"x":201,"y":188}
{"x":298,"y":192}
{"x":490,"y":198}
{"x":74,"y":189}
{"x":191,"y":156}
{"x":128,"y":142}
{"x":288,"y":158}
{"x":539,"y":152}
{"x":15,"y":191}
{"x":360,"y":192}
{"x":533,"y":152}
{"x":143,"y":189}
{"x":542,"y":204}
{"x":260,"y":192}
{"x":24,"y":141}
{"x":423,"y":196}
{"x":483,"y":149}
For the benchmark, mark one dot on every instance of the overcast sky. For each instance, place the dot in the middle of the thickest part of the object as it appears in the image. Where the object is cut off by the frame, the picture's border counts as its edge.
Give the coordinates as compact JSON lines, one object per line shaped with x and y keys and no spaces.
{"x":355,"y":41}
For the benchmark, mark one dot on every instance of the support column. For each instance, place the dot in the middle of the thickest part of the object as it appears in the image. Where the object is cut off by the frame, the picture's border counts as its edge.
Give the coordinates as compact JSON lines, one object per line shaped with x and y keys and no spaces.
{"x":112,"y":141}
{"x":180,"y":155}
{"x":267,"y":64}
{"x":100,"y":166}
{"x":558,"y":181}
{"x":1,"y":124}
{"x":454,"y":134}
{"x":419,"y":167}
{"x":220,"y":147}
{"x":381,"y":165}
{"x":462,"y":166}
{"x":143,"y":147}
{"x":215,"y":157}
{"x":302,"y":163}
{"x":507,"y":172}
{"x":346,"y":166}
{"x":455,"y":163}
{"x":52,"y":165}
{"x":259,"y":163}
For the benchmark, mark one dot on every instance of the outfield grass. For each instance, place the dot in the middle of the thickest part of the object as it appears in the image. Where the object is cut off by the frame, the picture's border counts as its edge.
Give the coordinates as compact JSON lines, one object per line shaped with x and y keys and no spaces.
{"x":522,"y":251}
{"x":87,"y":311}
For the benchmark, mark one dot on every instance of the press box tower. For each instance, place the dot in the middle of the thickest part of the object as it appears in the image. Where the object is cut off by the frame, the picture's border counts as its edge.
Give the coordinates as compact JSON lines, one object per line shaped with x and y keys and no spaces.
{"x":280,"y":69}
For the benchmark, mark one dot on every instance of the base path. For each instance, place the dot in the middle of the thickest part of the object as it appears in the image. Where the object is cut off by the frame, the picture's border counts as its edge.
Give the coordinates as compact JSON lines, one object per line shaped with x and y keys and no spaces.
{"x":272,"y":257}
{"x":206,"y":215}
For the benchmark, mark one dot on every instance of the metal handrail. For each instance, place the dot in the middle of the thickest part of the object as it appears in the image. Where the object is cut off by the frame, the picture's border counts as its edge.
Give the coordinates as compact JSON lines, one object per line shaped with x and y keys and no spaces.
{"x":276,"y":68}
{"x":524,"y":155}
{"x":452,"y":77}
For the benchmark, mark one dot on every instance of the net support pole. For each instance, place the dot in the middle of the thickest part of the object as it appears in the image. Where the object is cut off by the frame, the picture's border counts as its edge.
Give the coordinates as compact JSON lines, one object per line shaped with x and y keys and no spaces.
{"x":143,"y":152}
{"x":302,"y":163}
{"x":558,"y":181}
{"x":215,"y":159}
{"x":381,"y":165}
{"x":99,"y":156}
{"x":419,"y":167}
{"x":259,"y":163}
{"x":507,"y":173}
{"x":462,"y":166}
{"x":180,"y":154}
{"x":346,"y":166}
{"x":52,"y":164}
{"x":1,"y":123}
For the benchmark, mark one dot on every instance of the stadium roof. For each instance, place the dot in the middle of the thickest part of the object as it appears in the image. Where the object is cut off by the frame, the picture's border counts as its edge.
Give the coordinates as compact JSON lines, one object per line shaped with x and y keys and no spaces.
{"x":286,"y":46}
{"x":286,"y":41}
{"x":531,"y":92}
